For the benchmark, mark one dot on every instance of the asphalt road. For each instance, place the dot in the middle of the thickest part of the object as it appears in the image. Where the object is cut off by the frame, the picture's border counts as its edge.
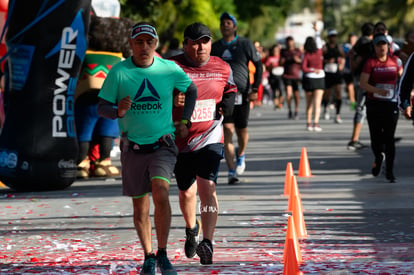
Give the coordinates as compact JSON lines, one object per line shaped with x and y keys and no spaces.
{"x":356,"y":224}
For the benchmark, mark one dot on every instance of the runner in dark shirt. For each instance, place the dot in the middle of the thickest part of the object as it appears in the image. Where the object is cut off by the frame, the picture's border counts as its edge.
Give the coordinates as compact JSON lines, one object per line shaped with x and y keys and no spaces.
{"x":238,"y":52}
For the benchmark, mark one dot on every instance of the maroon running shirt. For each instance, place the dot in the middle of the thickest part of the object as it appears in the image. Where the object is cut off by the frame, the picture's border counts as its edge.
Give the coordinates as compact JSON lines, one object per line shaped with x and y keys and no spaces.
{"x":213,"y":79}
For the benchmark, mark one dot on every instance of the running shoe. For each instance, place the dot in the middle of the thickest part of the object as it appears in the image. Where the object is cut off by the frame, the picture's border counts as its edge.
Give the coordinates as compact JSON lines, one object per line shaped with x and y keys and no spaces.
{"x":338,"y":119}
{"x":148,"y":268}
{"x":376,"y":166}
{"x":355,"y":145}
{"x":205,"y":252}
{"x":164,"y":264}
{"x":390,"y":176}
{"x":317,"y":128}
{"x":241,"y":164}
{"x":296,"y":116}
{"x":326,"y":115}
{"x":191,"y":241}
{"x":309,"y":127}
{"x":232,"y":177}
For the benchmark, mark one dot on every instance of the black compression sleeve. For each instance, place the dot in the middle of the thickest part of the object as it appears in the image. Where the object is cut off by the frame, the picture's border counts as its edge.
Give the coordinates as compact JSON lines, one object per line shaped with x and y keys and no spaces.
{"x":227,"y":104}
{"x":190,"y":100}
{"x":107,"y":110}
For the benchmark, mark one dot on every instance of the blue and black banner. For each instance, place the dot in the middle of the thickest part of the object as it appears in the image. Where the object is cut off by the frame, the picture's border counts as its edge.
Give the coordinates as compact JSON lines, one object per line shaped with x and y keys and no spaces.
{"x":46,"y":44}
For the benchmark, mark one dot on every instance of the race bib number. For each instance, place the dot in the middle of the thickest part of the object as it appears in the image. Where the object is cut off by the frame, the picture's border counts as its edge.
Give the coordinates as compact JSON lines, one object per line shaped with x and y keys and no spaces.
{"x":331,"y":68}
{"x":239,"y":99}
{"x":388,"y":87}
{"x":278,"y":71}
{"x":204,"y":110}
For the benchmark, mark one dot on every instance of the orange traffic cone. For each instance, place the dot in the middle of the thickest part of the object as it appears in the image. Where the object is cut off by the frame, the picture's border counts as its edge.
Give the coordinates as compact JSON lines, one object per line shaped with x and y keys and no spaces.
{"x":293,"y":249}
{"x":291,"y":266}
{"x":294,"y":191}
{"x":288,"y":178}
{"x":2,"y":185}
{"x":304,"y":168}
{"x":298,"y":217}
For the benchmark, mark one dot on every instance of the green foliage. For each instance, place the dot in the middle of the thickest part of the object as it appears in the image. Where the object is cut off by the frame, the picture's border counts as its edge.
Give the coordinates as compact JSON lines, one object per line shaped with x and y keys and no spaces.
{"x":260,"y":19}
{"x":396,"y":14}
{"x":257,"y":19}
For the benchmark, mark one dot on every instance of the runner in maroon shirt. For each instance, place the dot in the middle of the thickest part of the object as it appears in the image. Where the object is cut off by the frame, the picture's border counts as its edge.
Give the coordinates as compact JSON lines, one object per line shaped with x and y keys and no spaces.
{"x":379,"y":79}
{"x":272,"y":64}
{"x":291,"y":59}
{"x":201,"y":150}
{"x":313,"y":80}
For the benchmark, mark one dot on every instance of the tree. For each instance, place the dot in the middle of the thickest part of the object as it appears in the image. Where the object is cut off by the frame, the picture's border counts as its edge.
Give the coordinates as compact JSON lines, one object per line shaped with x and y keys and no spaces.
{"x":257,"y":20}
{"x":396,"y":14}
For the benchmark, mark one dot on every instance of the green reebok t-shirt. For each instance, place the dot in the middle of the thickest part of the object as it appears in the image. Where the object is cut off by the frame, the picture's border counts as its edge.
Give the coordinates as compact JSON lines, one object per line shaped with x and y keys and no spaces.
{"x":151,"y":92}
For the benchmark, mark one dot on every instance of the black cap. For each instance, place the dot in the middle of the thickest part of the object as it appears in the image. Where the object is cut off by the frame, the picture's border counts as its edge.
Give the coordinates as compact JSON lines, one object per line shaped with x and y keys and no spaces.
{"x":380,"y":38}
{"x":196,"y":31}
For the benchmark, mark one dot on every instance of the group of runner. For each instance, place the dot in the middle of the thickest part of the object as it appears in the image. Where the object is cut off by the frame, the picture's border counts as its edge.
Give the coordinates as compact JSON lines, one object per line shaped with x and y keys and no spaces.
{"x":342,"y":65}
{"x":283,"y":75}
{"x":178,"y":116}
{"x":370,"y":67}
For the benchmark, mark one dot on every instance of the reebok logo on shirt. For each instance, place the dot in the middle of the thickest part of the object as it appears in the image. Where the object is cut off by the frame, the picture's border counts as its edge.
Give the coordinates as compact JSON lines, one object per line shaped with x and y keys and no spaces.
{"x":227,"y":55}
{"x":146,"y":98}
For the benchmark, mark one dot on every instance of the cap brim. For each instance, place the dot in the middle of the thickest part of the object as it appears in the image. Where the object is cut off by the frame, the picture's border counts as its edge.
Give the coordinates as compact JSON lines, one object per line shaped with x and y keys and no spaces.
{"x":143,"y":29}
{"x":198,"y":38}
{"x":141,"y":33}
{"x":383,"y":40}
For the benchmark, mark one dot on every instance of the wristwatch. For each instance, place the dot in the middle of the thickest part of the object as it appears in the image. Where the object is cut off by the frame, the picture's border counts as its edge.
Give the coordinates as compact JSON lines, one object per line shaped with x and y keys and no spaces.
{"x":186,"y":122}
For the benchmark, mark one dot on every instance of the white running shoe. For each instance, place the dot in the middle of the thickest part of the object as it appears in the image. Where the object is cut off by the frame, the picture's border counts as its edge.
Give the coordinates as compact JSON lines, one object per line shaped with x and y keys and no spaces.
{"x":241,"y":165}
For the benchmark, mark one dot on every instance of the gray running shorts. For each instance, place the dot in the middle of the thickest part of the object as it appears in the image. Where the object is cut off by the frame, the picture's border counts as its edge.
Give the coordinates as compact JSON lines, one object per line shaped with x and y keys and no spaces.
{"x":138,"y":169}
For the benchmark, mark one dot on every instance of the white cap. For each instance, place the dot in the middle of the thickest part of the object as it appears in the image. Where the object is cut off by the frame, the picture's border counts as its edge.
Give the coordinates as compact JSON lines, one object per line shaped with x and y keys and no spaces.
{"x":332,"y":32}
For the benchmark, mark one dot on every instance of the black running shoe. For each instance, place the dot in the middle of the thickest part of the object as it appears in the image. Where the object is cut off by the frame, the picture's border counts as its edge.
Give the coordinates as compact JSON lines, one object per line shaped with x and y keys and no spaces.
{"x":164,"y":264}
{"x":355,"y":145}
{"x":148,"y":268}
{"x":376,"y":166}
{"x":191,"y":241}
{"x":390,"y":176}
{"x":205,"y":252}
{"x":232,"y":177}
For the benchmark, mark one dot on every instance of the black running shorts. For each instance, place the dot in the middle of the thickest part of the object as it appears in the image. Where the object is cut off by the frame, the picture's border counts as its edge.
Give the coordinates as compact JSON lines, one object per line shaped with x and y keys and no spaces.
{"x":203,"y":163}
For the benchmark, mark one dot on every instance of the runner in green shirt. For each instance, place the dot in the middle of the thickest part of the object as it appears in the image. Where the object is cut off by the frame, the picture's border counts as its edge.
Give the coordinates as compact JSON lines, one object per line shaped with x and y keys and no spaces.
{"x":139,"y":91}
